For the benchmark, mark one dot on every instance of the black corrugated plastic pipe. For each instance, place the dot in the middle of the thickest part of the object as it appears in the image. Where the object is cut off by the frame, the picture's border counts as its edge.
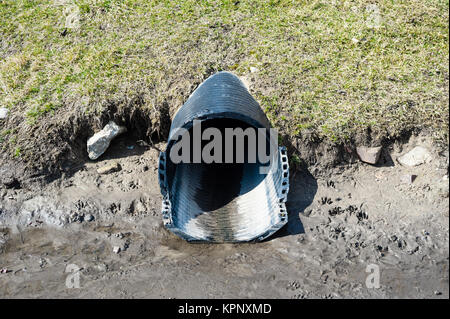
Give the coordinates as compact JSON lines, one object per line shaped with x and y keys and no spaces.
{"x":222,"y":202}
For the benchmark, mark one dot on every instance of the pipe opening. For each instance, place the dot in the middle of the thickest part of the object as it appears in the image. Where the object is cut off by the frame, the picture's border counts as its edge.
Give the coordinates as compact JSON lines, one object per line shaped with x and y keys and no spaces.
{"x":215,"y":185}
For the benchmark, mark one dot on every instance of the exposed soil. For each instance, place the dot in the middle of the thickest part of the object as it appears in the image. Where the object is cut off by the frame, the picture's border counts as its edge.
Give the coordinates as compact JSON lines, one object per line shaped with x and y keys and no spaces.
{"x":342,"y":218}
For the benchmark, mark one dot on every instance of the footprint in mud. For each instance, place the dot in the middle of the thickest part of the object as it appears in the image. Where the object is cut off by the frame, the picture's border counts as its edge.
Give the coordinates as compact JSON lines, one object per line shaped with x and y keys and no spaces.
{"x":409,"y":246}
{"x":351,"y":210}
{"x":337,"y":232}
{"x":127,"y":186}
{"x":325,"y":201}
{"x":82,"y":209}
{"x":142,"y":207}
{"x":114,"y":208}
{"x":293,"y":285}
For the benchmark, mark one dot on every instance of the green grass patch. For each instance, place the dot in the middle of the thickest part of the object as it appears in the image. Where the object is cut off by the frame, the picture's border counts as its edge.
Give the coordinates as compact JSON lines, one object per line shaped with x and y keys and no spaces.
{"x":335,"y":67}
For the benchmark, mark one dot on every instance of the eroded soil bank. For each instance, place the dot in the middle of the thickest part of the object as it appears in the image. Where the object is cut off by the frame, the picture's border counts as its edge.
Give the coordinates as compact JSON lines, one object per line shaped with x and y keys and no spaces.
{"x":342,"y":218}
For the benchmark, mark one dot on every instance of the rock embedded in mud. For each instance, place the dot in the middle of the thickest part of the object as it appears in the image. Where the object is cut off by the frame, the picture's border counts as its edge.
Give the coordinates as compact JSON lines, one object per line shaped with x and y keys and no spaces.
{"x":369,"y":155}
{"x":110,"y":168}
{"x":408,"y":178}
{"x":3,"y":113}
{"x":417,"y":156}
{"x":99,"y":142}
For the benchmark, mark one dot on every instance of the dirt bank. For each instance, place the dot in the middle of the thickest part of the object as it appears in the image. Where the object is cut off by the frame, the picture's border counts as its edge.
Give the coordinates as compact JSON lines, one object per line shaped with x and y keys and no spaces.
{"x":341,"y":219}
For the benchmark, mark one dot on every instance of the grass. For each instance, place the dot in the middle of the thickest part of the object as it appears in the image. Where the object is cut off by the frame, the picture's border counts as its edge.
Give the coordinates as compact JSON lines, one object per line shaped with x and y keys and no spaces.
{"x":337,"y":68}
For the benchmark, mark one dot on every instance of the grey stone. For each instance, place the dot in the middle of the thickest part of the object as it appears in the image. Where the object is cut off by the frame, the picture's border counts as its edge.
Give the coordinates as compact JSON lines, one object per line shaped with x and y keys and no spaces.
{"x":99,"y":142}
{"x":369,"y":154}
{"x":417,"y":156}
{"x":3,"y":113}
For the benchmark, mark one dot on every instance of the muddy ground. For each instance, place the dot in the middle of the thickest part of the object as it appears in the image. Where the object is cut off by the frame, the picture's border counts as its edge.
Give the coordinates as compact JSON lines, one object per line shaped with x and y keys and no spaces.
{"x":341,"y":220}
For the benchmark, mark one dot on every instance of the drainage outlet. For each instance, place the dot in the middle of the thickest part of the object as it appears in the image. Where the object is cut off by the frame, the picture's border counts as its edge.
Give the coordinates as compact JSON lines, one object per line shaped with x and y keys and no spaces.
{"x":223,"y":201}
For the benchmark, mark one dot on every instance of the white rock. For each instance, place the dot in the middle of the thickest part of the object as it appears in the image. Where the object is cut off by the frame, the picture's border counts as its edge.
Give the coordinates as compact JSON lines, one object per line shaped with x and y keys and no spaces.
{"x":116,"y":249}
{"x":417,"y":156}
{"x":99,"y":142}
{"x":3,"y":113}
{"x":253,"y":69}
{"x":369,"y":154}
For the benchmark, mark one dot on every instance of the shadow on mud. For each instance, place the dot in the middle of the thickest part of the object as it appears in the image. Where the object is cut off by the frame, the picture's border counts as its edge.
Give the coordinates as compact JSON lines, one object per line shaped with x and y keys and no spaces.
{"x":302,"y":189}
{"x":385,"y":160}
{"x":124,"y":146}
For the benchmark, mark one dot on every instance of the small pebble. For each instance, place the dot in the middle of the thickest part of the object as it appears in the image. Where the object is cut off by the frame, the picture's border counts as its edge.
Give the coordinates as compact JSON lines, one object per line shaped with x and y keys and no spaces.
{"x":119,"y":235}
{"x":408,"y":179}
{"x":3,"y":113}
